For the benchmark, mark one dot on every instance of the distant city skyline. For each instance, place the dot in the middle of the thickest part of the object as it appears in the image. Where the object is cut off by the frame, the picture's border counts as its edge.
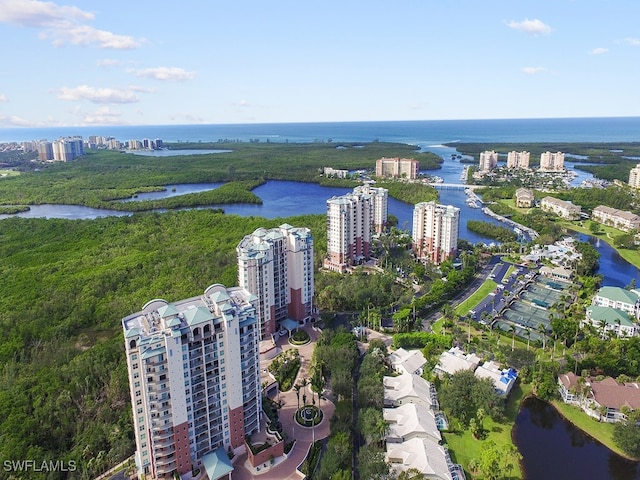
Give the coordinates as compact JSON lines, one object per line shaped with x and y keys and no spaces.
{"x":140,"y":63}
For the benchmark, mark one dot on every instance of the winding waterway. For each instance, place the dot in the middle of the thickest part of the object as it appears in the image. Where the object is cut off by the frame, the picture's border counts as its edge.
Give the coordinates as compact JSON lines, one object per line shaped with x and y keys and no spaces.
{"x":552,"y":448}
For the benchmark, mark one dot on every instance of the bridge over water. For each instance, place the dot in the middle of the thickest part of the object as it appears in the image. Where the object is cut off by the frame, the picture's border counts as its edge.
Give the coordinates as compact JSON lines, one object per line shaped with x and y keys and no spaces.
{"x":454,"y":186}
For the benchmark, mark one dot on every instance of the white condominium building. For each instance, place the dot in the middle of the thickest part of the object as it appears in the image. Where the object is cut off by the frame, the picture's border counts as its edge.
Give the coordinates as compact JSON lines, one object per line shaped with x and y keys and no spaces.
{"x":398,"y":167}
{"x":435,"y":231}
{"x":349,"y":230}
{"x":564,"y":209}
{"x":552,"y":162}
{"x":620,"y":219}
{"x":634,"y":177}
{"x":276,"y":265}
{"x":194,"y":379}
{"x":379,"y":205}
{"x":518,"y":160}
{"x":488,"y":161}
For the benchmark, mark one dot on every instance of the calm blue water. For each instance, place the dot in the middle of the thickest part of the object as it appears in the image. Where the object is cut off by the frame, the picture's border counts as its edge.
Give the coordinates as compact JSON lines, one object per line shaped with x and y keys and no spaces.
{"x":423,"y":133}
{"x":552,"y":448}
{"x":616,"y":270}
{"x":281,"y":199}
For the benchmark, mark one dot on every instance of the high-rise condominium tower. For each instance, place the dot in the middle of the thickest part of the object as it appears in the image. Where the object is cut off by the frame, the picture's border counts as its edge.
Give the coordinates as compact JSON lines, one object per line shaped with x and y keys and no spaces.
{"x":194,"y":378}
{"x":435,"y":231}
{"x":276,"y":265}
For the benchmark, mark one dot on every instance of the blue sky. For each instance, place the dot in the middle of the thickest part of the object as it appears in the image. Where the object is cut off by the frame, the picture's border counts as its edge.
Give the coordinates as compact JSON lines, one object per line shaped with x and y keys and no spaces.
{"x":167,"y":62}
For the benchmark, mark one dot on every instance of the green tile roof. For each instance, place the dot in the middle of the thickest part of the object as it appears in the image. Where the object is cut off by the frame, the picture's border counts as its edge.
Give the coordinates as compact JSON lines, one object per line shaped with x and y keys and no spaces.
{"x":195,"y":316}
{"x":618,"y":294}
{"x":609,"y":315}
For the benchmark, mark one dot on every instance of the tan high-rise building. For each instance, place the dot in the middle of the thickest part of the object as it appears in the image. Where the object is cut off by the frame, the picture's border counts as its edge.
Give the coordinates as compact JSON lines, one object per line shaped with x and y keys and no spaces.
{"x":518,"y":160}
{"x":398,"y":168}
{"x":435,"y":231}
{"x":488,"y":161}
{"x":349,"y":231}
{"x":276,"y":265}
{"x":634,"y":176}
{"x":552,"y":162}
{"x":194,"y":380}
{"x":379,"y":205}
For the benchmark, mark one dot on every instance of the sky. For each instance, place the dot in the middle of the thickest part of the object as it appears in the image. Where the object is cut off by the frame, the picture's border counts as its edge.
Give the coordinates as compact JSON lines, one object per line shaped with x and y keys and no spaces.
{"x":142,"y":62}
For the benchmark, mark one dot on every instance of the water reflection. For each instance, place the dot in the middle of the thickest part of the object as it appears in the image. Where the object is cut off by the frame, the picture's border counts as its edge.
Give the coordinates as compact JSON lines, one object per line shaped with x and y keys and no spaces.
{"x":552,"y":448}
{"x":617,"y":272}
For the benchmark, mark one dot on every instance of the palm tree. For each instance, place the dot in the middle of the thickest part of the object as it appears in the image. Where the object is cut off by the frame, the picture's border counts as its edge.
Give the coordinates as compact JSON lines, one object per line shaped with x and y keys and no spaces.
{"x":543,"y":331}
{"x":296,"y":387}
{"x":528,"y":334}
{"x":603,"y":327}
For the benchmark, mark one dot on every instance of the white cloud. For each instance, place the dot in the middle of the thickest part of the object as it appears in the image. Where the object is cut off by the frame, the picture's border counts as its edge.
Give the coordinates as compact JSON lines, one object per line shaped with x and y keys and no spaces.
{"x":100,"y":95}
{"x":165,"y":73}
{"x":533,"y":70}
{"x":3,"y":98}
{"x":62,"y":24}
{"x":103,"y":116}
{"x":535,"y":26}
{"x":85,"y":35}
{"x":635,"y":42}
{"x":14,"y":121}
{"x":599,"y":51}
{"x":33,"y":13}
{"x":108,"y":62}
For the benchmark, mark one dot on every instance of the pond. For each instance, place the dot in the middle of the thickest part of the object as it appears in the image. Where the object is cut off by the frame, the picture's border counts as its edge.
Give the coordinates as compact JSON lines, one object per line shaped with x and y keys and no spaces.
{"x":553,"y":448}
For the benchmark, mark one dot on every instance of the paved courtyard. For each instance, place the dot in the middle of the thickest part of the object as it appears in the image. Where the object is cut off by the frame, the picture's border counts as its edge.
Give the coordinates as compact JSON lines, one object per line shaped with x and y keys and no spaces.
{"x":286,"y":468}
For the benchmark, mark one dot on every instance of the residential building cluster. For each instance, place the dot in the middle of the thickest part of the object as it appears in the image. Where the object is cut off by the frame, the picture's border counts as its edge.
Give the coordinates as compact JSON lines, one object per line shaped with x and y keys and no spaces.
{"x":614,"y":312}
{"x":606,"y":399}
{"x":194,"y":364}
{"x":66,"y":149}
{"x":549,"y":162}
{"x":355,"y":218}
{"x":413,"y":441}
{"x":352,"y":220}
{"x":407,"y":168}
{"x":456,"y":360}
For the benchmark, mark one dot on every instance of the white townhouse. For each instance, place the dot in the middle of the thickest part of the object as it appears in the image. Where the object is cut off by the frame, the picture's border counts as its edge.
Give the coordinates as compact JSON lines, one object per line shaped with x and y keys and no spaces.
{"x":455,"y":360}
{"x":407,"y":361}
{"x":620,"y":219}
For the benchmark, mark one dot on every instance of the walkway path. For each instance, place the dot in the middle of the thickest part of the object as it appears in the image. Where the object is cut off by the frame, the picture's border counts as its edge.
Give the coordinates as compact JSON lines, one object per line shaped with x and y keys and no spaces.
{"x":286,"y":469}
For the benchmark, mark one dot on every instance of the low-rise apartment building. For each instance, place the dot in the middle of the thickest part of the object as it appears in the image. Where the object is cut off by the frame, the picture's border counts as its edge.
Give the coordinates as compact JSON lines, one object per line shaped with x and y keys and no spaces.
{"x":564,"y":209}
{"x":620,"y":219}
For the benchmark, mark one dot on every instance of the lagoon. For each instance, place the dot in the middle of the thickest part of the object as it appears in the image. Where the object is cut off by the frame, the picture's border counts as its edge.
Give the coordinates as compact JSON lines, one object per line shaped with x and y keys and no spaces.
{"x":280,"y":199}
{"x":552,"y":448}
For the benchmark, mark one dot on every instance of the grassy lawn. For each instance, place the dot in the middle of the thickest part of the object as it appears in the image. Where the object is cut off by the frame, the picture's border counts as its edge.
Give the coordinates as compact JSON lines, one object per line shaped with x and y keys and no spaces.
{"x":480,"y":294}
{"x":601,"y":431}
{"x":8,"y":173}
{"x":606,"y":234}
{"x":464,"y":447}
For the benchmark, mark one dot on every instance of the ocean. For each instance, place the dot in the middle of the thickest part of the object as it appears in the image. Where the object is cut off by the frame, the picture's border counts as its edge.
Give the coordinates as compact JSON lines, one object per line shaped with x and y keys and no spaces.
{"x":422,"y":133}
